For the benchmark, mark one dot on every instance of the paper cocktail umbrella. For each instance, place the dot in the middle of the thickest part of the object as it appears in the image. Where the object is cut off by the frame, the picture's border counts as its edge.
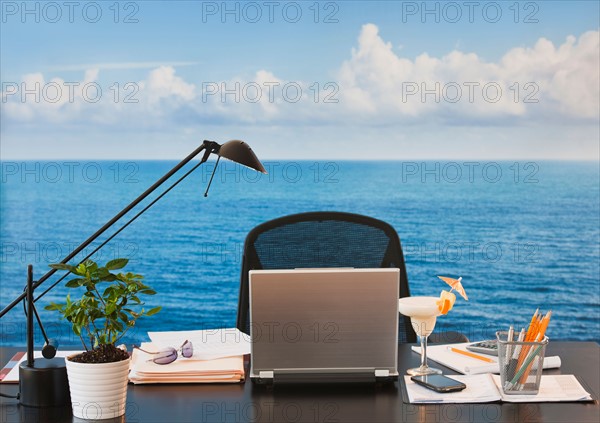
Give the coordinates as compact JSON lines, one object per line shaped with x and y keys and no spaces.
{"x":455,"y":285}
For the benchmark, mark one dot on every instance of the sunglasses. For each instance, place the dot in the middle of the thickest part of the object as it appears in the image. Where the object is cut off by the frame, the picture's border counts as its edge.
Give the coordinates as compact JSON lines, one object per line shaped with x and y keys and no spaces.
{"x":169,"y":355}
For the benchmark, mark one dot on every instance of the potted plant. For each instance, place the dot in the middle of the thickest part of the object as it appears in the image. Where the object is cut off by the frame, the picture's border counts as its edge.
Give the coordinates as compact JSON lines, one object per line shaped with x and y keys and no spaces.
{"x":108,"y":307}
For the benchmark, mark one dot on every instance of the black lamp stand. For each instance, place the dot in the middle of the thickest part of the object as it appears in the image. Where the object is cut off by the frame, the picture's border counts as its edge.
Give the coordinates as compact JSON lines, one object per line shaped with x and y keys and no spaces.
{"x":42,"y":383}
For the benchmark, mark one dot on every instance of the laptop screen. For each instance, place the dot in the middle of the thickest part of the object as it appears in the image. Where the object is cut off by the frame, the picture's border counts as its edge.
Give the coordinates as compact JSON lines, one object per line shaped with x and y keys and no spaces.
{"x":324,"y":319}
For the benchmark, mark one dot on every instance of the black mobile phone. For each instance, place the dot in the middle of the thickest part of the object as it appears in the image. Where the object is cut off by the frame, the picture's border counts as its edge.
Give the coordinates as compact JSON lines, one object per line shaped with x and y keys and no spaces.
{"x":439,"y":383}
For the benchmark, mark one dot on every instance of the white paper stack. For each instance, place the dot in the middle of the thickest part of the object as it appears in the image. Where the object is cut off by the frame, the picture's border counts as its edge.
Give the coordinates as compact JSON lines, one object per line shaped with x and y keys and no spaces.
{"x":184,"y":370}
{"x":218,"y":357}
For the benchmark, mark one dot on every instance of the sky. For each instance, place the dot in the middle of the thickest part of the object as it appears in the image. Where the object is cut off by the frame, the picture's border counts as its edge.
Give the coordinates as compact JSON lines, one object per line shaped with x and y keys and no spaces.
{"x":301,"y":80}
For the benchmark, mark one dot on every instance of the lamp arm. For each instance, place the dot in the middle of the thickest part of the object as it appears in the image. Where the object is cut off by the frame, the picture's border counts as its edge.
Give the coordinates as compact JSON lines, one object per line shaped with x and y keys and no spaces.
{"x":209,"y":146}
{"x":118,"y":231}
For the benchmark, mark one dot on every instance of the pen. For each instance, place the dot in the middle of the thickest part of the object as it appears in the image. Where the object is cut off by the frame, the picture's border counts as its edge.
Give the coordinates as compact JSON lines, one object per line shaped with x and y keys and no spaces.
{"x":514,"y":361}
{"x":509,"y":339}
{"x":517,"y":351}
{"x":472,"y":355}
{"x":509,"y":346}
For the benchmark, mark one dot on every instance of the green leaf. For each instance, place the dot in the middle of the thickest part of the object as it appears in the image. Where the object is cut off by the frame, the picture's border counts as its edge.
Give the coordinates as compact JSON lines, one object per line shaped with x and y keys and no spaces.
{"x":110,"y":308}
{"x":117,"y":264}
{"x":75,"y":283}
{"x":102,"y":273}
{"x":54,"y":306}
{"x":109,"y":278}
{"x":153,"y":311}
{"x":118,"y":326}
{"x":81,"y":270}
{"x":108,"y":290}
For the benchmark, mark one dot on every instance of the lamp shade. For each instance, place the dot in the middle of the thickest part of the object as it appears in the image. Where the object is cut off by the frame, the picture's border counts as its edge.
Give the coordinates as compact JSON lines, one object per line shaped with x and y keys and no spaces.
{"x":240,"y":152}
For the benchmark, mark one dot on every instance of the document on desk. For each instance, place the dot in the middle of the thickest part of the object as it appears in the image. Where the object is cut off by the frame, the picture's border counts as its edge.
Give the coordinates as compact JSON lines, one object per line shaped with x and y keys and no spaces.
{"x":480,"y":388}
{"x":208,"y":344}
{"x":553,"y":388}
{"x":10,"y":372}
{"x":184,"y":370}
{"x":486,"y":388}
{"x":468,"y":365}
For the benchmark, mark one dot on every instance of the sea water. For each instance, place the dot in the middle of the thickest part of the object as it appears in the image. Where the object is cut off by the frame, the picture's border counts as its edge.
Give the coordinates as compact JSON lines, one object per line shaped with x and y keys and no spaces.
{"x":522,"y":234}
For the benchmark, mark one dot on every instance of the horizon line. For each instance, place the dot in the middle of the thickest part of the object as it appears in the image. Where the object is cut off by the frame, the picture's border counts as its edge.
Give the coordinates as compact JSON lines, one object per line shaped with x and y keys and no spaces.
{"x":506,"y":159}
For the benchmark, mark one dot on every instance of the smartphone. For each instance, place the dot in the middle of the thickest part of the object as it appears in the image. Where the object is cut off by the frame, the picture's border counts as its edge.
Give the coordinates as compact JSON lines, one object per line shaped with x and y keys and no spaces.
{"x":485,"y":347}
{"x":439,"y":383}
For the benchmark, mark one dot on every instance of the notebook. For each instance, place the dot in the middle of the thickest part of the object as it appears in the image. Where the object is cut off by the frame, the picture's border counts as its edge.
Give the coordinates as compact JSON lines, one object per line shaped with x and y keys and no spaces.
{"x":324,"y":325}
{"x":487,"y":388}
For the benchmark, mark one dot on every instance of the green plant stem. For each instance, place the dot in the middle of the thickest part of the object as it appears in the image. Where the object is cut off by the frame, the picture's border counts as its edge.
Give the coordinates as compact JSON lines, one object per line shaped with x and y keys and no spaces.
{"x":123,"y":333}
{"x":83,"y":342}
{"x":99,"y":296}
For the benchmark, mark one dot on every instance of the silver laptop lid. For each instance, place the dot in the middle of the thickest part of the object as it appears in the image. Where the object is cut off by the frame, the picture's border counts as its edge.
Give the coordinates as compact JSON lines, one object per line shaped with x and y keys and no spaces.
{"x":331,"y":321}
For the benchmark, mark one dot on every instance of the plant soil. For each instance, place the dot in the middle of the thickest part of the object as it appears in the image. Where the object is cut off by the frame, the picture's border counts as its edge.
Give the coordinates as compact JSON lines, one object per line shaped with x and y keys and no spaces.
{"x":102,"y":354}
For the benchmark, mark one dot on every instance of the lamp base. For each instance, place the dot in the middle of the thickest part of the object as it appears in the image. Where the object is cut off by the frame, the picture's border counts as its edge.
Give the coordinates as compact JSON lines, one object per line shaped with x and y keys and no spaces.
{"x":44,"y":384}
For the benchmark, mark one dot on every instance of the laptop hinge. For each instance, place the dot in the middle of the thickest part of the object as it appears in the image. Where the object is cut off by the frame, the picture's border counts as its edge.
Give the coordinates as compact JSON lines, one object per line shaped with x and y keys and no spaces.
{"x":265,"y":374}
{"x":285,"y":376}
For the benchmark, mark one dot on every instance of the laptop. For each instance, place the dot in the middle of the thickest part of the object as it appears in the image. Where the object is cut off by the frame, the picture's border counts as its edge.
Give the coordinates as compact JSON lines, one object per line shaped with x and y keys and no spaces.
{"x":324,"y":325}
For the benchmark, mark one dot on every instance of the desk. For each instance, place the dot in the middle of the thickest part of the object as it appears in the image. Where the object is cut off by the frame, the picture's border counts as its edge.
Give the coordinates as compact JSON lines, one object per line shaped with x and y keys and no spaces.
{"x":352,"y":403}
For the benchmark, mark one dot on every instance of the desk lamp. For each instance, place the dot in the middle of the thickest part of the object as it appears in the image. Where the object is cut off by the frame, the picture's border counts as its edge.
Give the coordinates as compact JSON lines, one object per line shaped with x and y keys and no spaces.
{"x":43,"y":382}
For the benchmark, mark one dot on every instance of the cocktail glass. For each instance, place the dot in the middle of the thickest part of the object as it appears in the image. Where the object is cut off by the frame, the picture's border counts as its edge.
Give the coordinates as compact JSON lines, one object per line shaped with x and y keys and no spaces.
{"x":422,"y":312}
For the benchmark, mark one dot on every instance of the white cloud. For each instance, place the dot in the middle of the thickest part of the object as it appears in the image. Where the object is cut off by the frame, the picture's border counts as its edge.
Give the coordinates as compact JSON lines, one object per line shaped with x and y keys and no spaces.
{"x":33,"y":99}
{"x":542,"y":81}
{"x":375,"y":85}
{"x":162,"y":83}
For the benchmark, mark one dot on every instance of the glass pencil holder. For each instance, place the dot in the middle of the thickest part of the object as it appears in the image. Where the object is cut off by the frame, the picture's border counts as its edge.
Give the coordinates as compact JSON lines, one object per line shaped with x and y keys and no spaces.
{"x":521,"y":364}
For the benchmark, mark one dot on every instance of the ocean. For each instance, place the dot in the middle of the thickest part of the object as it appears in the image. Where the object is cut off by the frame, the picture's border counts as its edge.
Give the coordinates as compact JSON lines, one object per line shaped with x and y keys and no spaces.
{"x":522,"y":234}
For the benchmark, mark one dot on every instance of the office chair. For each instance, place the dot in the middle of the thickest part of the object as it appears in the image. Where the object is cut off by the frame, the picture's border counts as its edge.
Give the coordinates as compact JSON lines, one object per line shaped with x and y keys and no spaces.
{"x":322,"y":239}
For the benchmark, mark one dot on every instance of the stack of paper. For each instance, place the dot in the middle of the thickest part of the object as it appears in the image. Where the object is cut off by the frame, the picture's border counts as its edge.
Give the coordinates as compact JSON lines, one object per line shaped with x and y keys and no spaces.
{"x":218,"y":357}
{"x":208,"y":343}
{"x":184,"y":370}
{"x":468,"y":365}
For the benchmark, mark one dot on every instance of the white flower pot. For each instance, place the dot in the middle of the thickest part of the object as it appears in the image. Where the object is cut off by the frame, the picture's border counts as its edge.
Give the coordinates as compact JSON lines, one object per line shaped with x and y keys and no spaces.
{"x":98,"y":390}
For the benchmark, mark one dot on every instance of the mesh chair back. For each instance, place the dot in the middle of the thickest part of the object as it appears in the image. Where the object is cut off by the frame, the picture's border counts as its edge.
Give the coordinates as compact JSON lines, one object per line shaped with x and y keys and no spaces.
{"x":322,"y":239}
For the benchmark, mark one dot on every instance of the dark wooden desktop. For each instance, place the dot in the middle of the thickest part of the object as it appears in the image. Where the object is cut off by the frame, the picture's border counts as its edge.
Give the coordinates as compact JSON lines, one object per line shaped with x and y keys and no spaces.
{"x":351,"y":403}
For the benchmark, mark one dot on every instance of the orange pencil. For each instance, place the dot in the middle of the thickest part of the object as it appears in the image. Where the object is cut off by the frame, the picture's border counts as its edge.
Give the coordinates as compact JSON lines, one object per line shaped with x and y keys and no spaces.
{"x":541,"y":333}
{"x":529,"y":336}
{"x":544,"y":326}
{"x":472,"y":355}
{"x":532,"y":326}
